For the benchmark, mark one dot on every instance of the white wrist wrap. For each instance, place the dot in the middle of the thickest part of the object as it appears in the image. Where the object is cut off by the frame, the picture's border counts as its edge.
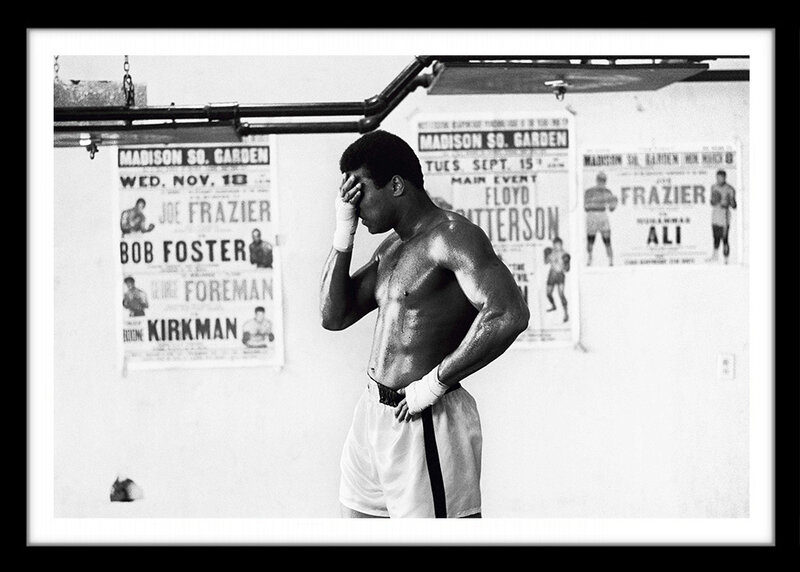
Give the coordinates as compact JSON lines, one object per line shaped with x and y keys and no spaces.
{"x":346,"y":224}
{"x":424,"y":392}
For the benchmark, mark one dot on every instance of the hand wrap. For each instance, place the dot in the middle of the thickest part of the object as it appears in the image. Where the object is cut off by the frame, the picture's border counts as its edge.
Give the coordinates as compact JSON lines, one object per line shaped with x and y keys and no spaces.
{"x":346,"y":224}
{"x":424,"y":392}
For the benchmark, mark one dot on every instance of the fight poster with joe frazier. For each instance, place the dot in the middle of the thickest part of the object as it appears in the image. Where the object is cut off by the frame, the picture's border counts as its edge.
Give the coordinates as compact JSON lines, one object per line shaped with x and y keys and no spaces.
{"x":198,"y":257}
{"x":662,"y":206}
{"x":514,"y":177}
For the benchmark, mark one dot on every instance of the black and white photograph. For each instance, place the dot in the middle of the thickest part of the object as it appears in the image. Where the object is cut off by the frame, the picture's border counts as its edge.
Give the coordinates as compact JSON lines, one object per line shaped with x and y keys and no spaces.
{"x":510,"y":283}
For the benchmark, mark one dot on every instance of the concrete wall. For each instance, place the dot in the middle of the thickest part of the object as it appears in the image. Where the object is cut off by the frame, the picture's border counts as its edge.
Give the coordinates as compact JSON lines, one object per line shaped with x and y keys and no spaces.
{"x":637,"y":426}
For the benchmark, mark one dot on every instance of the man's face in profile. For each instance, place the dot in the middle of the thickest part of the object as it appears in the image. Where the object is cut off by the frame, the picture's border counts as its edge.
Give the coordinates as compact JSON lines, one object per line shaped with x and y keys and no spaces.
{"x":374,"y":206}
{"x":139,"y":205}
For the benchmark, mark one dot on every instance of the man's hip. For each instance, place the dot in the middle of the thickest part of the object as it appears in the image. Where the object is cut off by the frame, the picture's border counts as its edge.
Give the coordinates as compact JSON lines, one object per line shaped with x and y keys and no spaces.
{"x":428,"y":467}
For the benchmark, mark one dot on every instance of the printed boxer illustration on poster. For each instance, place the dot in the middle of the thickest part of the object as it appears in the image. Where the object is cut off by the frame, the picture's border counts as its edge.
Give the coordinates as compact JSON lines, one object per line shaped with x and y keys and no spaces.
{"x":662,"y":206}
{"x":197,"y":254}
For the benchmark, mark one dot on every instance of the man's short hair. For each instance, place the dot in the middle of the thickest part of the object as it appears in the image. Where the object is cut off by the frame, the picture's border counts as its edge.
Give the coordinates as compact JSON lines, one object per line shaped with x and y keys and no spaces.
{"x":383,"y":155}
{"x":722,"y":172}
{"x":256,"y":230}
{"x":602,"y":176}
{"x":140,"y":200}
{"x":129,"y":280}
{"x":558,"y":240}
{"x":259,"y":309}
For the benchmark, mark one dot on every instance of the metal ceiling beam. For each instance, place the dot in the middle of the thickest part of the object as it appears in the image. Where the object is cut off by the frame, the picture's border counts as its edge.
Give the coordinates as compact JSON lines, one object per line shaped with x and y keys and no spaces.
{"x":363,"y":125}
{"x":720,"y":75}
{"x":233,"y":111}
{"x":372,"y":110}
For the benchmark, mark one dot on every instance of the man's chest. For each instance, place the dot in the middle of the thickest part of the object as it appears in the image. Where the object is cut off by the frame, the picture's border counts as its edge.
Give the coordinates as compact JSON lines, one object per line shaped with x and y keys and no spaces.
{"x":724,"y":191}
{"x":408,"y":273}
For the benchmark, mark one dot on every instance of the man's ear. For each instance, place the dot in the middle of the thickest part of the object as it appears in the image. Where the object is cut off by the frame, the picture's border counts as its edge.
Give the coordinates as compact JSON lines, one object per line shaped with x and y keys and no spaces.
{"x":398,"y":185}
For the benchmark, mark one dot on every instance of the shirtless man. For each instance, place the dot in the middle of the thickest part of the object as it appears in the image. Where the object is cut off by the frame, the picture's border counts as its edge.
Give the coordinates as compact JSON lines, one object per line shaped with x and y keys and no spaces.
{"x":723,"y":198}
{"x":258,"y":331}
{"x":260,"y":251}
{"x":558,"y":259}
{"x":133,"y":220}
{"x":134,"y":299}
{"x":446,"y":308}
{"x":595,"y":201}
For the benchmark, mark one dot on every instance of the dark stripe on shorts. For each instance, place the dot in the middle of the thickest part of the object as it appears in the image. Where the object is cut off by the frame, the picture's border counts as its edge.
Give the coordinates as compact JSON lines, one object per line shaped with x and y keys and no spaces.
{"x":434,"y":468}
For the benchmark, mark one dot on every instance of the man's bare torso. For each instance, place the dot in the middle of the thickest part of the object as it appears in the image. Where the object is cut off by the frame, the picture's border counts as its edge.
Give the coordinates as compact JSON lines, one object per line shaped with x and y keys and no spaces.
{"x":422,"y":312}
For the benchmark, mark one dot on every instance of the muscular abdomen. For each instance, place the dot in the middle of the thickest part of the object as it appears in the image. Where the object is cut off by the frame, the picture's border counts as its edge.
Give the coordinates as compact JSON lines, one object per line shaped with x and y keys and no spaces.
{"x":415,"y":331}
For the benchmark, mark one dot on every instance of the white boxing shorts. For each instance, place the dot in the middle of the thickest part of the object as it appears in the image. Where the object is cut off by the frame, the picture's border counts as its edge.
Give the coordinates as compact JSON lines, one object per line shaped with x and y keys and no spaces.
{"x":429,"y":467}
{"x":597,"y":221}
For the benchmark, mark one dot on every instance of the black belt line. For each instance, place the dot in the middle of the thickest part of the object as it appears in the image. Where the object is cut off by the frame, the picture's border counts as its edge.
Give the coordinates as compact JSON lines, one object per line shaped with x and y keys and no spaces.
{"x":434,"y":468}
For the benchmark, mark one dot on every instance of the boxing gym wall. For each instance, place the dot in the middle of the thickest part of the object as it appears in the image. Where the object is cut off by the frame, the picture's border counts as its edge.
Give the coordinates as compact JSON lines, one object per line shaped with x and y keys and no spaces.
{"x":633,"y":422}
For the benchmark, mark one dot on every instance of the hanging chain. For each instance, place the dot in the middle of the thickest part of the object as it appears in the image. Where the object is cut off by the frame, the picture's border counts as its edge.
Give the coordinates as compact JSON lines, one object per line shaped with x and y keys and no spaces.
{"x":127,"y":85}
{"x":55,"y":67}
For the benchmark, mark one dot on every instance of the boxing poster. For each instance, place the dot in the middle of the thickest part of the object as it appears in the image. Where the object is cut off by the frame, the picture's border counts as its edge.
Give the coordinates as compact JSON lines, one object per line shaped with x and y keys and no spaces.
{"x":515,"y":178}
{"x":200,"y":280}
{"x":677,"y":205}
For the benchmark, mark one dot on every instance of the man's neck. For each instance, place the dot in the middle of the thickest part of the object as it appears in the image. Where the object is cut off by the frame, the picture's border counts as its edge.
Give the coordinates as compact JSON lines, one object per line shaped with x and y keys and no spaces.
{"x":419,"y":214}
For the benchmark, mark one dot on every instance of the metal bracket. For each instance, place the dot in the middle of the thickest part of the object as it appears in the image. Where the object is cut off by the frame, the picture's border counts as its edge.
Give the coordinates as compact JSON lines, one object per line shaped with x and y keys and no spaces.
{"x":92,"y":149}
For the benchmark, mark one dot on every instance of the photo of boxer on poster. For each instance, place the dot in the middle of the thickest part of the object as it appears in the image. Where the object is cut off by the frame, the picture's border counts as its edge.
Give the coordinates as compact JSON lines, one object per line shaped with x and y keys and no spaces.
{"x":134,"y":299}
{"x":595,"y":202}
{"x":133,"y":219}
{"x":258,"y":331}
{"x":559,"y":260}
{"x":260,"y":251}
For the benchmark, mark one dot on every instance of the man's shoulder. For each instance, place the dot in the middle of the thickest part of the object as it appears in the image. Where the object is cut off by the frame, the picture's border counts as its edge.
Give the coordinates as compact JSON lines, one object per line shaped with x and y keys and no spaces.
{"x":456,"y":239}
{"x":455,"y":227}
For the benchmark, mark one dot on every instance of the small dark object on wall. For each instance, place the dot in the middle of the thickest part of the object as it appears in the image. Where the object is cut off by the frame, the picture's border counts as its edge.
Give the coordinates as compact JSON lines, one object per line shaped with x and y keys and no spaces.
{"x":125,"y":491}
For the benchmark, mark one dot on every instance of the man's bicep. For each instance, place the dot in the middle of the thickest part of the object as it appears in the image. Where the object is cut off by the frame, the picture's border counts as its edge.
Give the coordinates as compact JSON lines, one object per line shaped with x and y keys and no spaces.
{"x":488,"y":281}
{"x":479,"y":272}
{"x":364,"y":280}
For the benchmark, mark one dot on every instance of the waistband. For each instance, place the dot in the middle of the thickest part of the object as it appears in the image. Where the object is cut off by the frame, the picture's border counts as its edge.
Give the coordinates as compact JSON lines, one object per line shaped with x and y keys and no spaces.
{"x":389,"y":396}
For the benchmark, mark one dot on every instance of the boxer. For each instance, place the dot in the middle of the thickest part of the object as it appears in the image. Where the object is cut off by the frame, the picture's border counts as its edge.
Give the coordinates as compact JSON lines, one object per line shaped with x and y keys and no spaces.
{"x":446,"y":308}
{"x":260,"y":251}
{"x":559,"y":261}
{"x":134,"y":299}
{"x":258,"y":331}
{"x":595,"y":201}
{"x":133,"y":219}
{"x":723,"y":198}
